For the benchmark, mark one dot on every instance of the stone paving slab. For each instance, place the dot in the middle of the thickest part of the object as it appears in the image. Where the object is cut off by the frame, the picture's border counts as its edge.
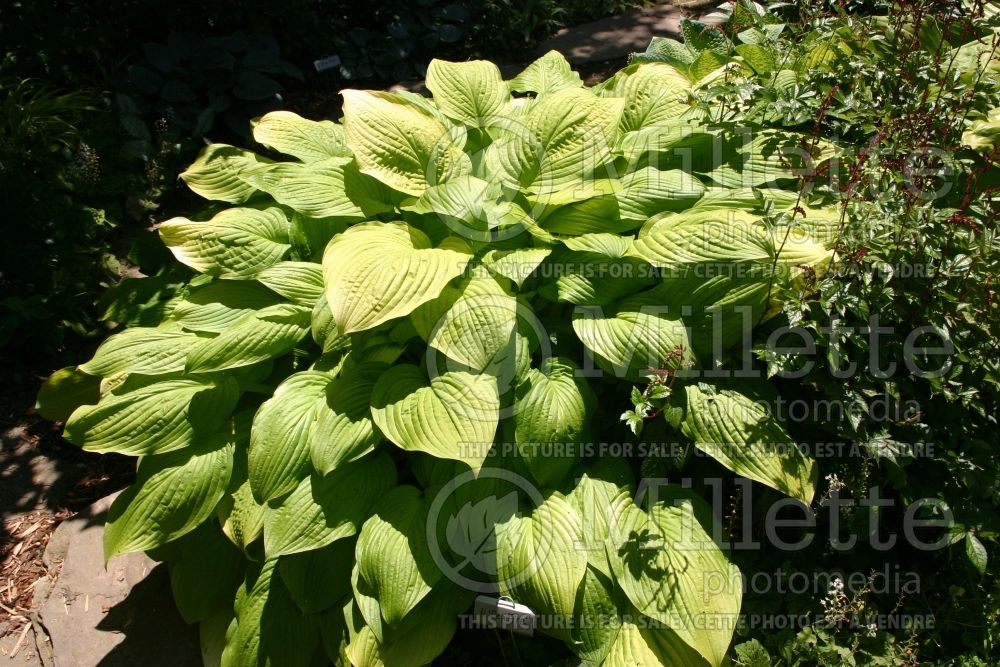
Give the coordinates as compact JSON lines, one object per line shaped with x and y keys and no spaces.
{"x":121,"y":616}
{"x":618,"y":36}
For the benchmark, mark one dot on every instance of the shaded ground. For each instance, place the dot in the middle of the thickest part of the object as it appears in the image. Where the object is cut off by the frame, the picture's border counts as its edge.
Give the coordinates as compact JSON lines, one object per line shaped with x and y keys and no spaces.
{"x":43,"y":481}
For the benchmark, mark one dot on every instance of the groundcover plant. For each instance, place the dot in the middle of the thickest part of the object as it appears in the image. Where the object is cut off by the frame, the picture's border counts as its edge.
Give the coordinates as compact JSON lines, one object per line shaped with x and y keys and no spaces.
{"x":398,"y":381}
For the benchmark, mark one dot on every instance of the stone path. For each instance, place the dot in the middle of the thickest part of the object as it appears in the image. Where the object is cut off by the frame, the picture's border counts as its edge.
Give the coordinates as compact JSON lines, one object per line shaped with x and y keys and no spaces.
{"x":619,"y":36}
{"x":92,"y":616}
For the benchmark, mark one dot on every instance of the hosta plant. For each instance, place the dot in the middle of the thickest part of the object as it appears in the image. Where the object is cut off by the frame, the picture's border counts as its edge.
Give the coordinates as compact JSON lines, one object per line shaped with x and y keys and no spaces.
{"x":389,"y":389}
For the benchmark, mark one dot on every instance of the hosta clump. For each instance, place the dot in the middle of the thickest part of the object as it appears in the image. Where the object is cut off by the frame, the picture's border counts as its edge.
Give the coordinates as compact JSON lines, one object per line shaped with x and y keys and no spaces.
{"x":379,"y":397}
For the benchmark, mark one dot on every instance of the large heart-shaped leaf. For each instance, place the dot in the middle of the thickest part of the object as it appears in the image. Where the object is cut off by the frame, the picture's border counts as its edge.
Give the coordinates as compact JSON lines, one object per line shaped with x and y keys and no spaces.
{"x":674,"y":573}
{"x":401,"y":143}
{"x":172,"y":495}
{"x":322,"y":510}
{"x":551,"y":415}
{"x":279,"y":442}
{"x":393,"y":556}
{"x":450,"y":416}
{"x":539,"y":561}
{"x":155,"y":417}
{"x":470,"y":92}
{"x":257,"y":336}
{"x":375,"y":272}
{"x":307,"y":140}
{"x":236,"y":243}
{"x":740,"y":433}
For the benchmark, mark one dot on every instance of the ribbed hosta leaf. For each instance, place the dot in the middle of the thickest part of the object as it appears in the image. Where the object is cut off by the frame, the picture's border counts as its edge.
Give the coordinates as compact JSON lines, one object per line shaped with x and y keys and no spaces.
{"x":156,"y":417}
{"x":649,"y":191}
{"x":552,"y":410}
{"x":215,"y":307}
{"x":172,"y":495}
{"x":257,"y":336}
{"x":472,"y":324}
{"x":318,"y":579}
{"x":700,"y":245}
{"x":593,"y":269}
{"x":539,"y":562}
{"x":343,"y":430}
{"x":299,"y":282}
{"x":142,"y":350}
{"x":236,"y":243}
{"x":655,"y":92}
{"x":673,"y":572}
{"x":633,"y":335}
{"x":322,"y":510}
{"x":450,"y":416}
{"x":331,"y":188}
{"x":307,"y":140}
{"x":548,"y":74}
{"x":399,"y":142}
{"x":563,"y":140}
{"x":739,"y":432}
{"x":216,"y":173}
{"x":470,"y":92}
{"x":647,"y":644}
{"x":269,"y":630}
{"x":600,"y":496}
{"x":393,"y":556}
{"x":375,"y":272}
{"x":414,"y":644}
{"x":279,"y":441}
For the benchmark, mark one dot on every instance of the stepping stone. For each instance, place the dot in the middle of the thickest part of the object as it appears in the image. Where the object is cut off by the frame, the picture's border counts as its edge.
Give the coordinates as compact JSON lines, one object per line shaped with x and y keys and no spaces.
{"x":618,"y":36}
{"x":121,"y":616}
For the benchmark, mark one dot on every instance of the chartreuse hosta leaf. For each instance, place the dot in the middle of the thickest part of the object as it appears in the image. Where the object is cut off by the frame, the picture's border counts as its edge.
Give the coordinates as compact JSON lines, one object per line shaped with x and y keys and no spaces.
{"x":401,"y":143}
{"x":451,"y":416}
{"x":216,"y":173}
{"x":375,"y":272}
{"x":548,"y":74}
{"x":655,"y":92}
{"x":214,"y":307}
{"x":153,"y":416}
{"x":421,"y":637}
{"x":330,"y":188}
{"x":593,"y":269}
{"x":539,"y":560}
{"x":279,"y":441}
{"x":700,"y":245}
{"x":601,"y":495}
{"x":471,"y":92}
{"x":319,"y":579}
{"x":602,"y":639}
{"x":299,"y":282}
{"x":306,"y":140}
{"x":739,"y":432}
{"x":257,"y":336}
{"x":472,"y":324}
{"x":172,"y":495}
{"x":142,"y":350}
{"x":673,"y":572}
{"x":647,"y":644}
{"x":322,"y":510}
{"x":268,"y":629}
{"x":563,"y":140}
{"x":343,"y":430}
{"x":552,"y":409}
{"x":393,"y":556}
{"x":207,"y":573}
{"x":633,"y":335}
{"x":236,"y":243}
